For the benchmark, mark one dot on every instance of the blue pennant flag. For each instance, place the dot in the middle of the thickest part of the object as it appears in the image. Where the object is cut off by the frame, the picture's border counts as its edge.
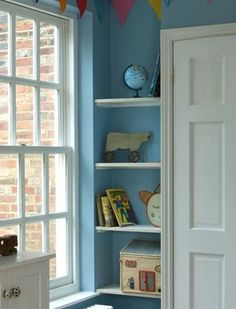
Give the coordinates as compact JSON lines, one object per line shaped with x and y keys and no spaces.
{"x":99,"y":5}
{"x":167,"y":2}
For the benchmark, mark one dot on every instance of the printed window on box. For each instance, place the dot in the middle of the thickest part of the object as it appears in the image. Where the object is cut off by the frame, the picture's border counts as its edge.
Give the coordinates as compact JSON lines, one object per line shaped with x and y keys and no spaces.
{"x":36,"y":162}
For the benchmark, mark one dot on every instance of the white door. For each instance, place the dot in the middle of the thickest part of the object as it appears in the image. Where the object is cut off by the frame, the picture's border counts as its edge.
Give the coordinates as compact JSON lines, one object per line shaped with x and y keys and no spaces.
{"x":205,"y":173}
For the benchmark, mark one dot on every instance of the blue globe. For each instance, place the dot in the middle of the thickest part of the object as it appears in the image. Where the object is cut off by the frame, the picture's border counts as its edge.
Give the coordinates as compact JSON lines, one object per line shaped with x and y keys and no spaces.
{"x":135,"y":77}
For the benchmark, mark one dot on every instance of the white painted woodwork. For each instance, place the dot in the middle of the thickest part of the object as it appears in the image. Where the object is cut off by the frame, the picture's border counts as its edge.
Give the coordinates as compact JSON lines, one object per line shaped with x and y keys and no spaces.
{"x":128,"y":102}
{"x":132,"y":228}
{"x":29,"y":272}
{"x":114,"y":289}
{"x":129,"y":165}
{"x":204,"y":172}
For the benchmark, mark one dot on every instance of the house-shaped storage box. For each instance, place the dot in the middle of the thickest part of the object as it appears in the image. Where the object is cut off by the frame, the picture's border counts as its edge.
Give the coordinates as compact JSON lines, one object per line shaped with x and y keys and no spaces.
{"x":140,"y":267}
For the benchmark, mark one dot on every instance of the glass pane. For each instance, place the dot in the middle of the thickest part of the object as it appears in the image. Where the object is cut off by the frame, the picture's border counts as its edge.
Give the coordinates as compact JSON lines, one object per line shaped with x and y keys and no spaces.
{"x":4,"y":109}
{"x":48,"y":105}
{"x":24,"y":115}
{"x":7,"y":230}
{"x":4,"y":43}
{"x":33,"y":184}
{"x":58,"y":245}
{"x":8,"y":186}
{"x":34,"y":237}
{"x":48,"y":57}
{"x":24,"y":47}
{"x":57,"y":187}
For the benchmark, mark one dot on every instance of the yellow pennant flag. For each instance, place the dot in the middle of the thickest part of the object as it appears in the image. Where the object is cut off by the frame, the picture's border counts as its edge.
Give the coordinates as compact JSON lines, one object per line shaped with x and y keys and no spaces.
{"x":63,"y":5}
{"x":156,"y":5}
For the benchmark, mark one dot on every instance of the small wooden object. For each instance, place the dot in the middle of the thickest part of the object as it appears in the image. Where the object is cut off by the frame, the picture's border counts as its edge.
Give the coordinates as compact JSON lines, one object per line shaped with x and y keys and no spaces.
{"x":8,"y":244}
{"x":152,"y":201}
{"x":130,"y":141}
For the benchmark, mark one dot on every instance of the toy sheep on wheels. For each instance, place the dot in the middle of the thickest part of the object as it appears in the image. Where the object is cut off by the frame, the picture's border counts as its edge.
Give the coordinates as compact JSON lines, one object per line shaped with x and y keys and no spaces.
{"x":130,"y":141}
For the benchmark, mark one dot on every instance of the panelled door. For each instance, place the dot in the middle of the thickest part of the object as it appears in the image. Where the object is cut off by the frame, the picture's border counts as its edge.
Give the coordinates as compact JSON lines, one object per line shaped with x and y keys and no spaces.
{"x":204,"y":96}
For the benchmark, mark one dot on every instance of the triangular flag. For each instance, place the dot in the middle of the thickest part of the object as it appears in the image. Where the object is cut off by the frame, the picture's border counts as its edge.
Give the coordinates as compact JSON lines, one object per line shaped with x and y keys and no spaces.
{"x":99,"y":6}
{"x":82,"y":4}
{"x":63,"y":5}
{"x":167,"y":2}
{"x":156,"y":5}
{"x":122,"y":8}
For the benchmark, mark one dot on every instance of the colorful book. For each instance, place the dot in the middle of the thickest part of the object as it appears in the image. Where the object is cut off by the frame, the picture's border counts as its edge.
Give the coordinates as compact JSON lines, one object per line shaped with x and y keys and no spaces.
{"x":121,"y":207}
{"x":100,"y":215}
{"x":110,"y":219}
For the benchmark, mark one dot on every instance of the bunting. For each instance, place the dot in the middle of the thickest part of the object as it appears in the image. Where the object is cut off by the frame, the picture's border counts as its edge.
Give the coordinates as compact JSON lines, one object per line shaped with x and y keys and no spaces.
{"x":82,"y":4}
{"x":122,"y":8}
{"x":156,"y":5}
{"x":167,"y":2}
{"x":99,"y":6}
{"x":63,"y":4}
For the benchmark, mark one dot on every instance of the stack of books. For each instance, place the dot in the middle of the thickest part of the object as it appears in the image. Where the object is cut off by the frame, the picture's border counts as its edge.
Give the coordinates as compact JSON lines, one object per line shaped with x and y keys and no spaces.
{"x":114,"y":208}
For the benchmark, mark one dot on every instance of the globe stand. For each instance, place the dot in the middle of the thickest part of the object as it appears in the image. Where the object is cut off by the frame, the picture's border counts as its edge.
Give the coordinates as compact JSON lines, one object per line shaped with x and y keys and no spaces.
{"x":136,"y":93}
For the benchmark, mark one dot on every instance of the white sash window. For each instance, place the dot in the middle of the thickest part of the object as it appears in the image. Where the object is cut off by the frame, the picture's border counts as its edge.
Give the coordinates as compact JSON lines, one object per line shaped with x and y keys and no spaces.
{"x":36,"y":152}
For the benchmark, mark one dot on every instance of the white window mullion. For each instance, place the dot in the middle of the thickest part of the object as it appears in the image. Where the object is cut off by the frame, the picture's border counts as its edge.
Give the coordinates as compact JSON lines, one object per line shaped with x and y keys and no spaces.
{"x":12,"y":90}
{"x":45,"y":200}
{"x":37,"y":127}
{"x":69,"y":198}
{"x":21,"y":196}
{"x":60,"y":94}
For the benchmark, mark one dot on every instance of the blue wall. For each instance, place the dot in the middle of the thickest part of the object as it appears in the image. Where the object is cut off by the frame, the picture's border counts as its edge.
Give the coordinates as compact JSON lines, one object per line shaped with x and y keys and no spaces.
{"x":137,"y":41}
{"x":186,"y":13}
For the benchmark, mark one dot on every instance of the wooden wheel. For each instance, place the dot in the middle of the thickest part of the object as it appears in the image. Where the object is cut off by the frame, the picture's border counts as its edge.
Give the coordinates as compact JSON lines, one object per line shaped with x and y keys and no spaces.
{"x":109,"y":156}
{"x":134,"y":156}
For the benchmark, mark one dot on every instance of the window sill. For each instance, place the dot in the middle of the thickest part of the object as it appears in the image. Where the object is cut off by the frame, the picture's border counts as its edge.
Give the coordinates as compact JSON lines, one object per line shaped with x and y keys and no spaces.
{"x":72,"y":300}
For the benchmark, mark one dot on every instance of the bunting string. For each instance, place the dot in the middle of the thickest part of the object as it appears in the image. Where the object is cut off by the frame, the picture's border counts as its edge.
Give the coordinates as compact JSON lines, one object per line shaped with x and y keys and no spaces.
{"x":122,"y":7}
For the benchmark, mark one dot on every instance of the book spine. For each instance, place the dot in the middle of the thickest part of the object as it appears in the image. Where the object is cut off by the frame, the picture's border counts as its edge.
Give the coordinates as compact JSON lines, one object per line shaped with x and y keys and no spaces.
{"x":99,"y":210}
{"x":108,"y":212}
{"x":154,"y":77}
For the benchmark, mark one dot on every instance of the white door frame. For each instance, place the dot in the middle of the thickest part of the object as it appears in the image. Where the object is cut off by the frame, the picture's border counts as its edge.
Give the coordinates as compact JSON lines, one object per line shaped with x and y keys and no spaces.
{"x":168,"y":37}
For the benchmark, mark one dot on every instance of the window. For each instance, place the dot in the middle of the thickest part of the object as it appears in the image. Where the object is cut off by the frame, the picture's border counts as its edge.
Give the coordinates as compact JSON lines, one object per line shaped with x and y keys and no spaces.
{"x":36,"y":151}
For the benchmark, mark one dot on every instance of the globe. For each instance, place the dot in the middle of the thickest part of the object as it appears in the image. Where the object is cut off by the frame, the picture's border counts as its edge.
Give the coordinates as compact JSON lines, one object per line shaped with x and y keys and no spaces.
{"x":135,"y":77}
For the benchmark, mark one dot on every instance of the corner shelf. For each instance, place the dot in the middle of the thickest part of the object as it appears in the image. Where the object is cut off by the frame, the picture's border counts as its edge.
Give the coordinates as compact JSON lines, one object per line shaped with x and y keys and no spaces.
{"x":114,"y":289}
{"x":130,"y":228}
{"x":128,"y":165}
{"x":129,"y":102}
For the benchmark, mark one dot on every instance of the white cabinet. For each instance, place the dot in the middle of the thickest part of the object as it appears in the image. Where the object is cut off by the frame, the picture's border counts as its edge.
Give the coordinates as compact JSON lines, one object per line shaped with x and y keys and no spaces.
{"x":24,"y":281}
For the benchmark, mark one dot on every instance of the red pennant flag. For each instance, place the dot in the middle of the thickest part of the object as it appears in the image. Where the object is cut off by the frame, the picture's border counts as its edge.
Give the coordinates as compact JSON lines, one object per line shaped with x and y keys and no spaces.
{"x":63,"y":5}
{"x":82,"y":4}
{"x":122,"y":8}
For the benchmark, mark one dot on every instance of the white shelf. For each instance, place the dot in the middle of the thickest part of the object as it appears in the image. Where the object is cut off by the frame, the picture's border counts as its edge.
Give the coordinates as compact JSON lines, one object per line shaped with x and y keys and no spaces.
{"x":130,"y":228}
{"x":129,"y":102}
{"x":114,"y":289}
{"x":129,"y":165}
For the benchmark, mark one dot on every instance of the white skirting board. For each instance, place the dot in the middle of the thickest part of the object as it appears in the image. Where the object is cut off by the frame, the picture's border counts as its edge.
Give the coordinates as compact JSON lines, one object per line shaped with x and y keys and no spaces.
{"x":99,"y":307}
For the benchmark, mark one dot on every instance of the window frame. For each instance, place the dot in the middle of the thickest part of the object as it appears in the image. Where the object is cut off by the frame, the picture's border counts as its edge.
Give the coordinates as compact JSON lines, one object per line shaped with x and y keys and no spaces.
{"x":68,"y":135}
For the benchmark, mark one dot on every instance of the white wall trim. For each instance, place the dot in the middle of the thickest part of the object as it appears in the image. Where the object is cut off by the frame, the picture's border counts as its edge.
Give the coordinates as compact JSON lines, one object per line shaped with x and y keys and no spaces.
{"x":168,"y":37}
{"x":52,"y":7}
